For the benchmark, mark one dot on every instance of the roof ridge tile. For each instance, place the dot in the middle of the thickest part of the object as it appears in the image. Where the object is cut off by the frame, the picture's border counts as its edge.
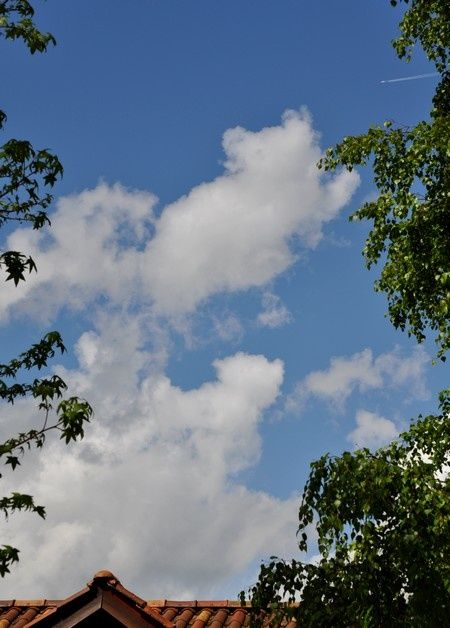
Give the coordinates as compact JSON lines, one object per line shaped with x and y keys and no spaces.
{"x":38,"y":602}
{"x":131,"y":596}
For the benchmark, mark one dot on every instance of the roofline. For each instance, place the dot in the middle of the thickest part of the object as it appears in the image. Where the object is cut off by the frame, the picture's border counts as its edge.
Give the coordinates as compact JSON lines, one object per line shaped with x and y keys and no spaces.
{"x":159,"y":603}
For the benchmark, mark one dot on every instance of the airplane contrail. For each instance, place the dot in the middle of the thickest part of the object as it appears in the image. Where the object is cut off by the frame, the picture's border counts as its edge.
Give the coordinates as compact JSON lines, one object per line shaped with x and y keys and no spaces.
{"x":410,"y":78}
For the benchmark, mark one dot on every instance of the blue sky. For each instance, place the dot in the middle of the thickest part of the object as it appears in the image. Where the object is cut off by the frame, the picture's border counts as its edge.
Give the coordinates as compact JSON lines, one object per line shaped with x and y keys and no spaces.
{"x":205,"y":278}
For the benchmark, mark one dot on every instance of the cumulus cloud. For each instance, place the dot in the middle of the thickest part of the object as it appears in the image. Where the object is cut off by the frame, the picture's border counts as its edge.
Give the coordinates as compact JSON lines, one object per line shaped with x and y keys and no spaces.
{"x":229,"y":234}
{"x":92,"y":249}
{"x":274,"y":312}
{"x":362,"y":371}
{"x":234,"y":232}
{"x":151,"y":492}
{"x":372,"y":430}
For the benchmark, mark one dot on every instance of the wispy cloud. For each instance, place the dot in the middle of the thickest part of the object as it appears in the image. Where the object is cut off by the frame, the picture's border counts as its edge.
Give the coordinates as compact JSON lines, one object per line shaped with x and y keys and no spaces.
{"x":362,"y":371}
{"x":274,"y":312}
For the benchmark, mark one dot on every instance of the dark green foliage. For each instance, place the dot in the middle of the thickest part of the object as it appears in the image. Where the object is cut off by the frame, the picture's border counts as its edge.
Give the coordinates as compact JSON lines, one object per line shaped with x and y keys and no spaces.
{"x":411,"y":215}
{"x":382,"y":519}
{"x":26,"y":175}
{"x":16,"y":22}
{"x":23,"y":172}
{"x":426,"y":22}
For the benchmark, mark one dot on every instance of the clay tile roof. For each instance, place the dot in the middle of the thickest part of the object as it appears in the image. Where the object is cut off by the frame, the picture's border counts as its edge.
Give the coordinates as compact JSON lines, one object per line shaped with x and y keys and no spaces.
{"x":183,"y":619}
{"x":202,"y":618}
{"x":170,"y":613}
{"x":219,"y":618}
{"x":238,"y":618}
{"x":20,"y":613}
{"x":107,"y":594}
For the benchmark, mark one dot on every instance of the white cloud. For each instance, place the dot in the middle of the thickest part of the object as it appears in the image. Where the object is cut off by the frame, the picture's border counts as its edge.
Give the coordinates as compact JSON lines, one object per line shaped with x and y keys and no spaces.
{"x":232,"y":233}
{"x":372,"y":430}
{"x":274,"y":313}
{"x":93,"y":248}
{"x":151,"y":492}
{"x":362,"y":371}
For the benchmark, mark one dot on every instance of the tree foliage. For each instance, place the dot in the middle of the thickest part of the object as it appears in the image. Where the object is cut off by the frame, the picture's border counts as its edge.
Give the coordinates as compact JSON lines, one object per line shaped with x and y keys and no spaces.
{"x":16,"y":22}
{"x":26,"y":176}
{"x":382,"y":520}
{"x":411,"y":165}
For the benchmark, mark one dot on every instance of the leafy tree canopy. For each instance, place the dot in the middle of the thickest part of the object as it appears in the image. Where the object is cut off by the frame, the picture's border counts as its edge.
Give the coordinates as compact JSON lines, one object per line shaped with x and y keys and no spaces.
{"x":26,"y":175}
{"x":382,"y":519}
{"x":411,"y":165}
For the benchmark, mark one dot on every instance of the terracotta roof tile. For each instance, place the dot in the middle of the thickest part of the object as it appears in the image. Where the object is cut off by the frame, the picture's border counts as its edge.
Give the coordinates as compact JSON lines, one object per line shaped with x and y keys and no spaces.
{"x":237,"y":619}
{"x":219,"y":618}
{"x":22,"y":612}
{"x":184,"y":618}
{"x":170,"y":613}
{"x":202,"y":618}
{"x":161,"y":612}
{"x":11,"y":614}
{"x":185,"y":614}
{"x":25,"y":617}
{"x":43,"y":613}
